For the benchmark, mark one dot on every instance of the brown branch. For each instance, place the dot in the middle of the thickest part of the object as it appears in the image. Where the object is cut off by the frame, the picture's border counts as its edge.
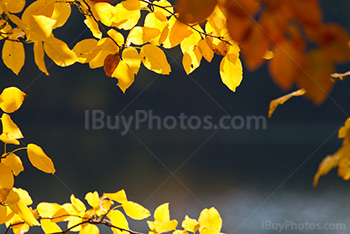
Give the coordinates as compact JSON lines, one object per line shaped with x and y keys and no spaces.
{"x":340,"y":76}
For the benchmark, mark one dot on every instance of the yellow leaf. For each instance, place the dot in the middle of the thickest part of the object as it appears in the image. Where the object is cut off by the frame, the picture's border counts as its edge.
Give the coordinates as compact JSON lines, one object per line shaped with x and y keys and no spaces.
{"x":11,"y":99}
{"x":3,"y":214}
{"x":6,"y":177}
{"x":93,"y":199}
{"x":104,"y":47}
{"x":41,"y":26}
{"x":208,"y":231}
{"x":49,"y":210}
{"x":124,"y":75}
{"x":89,"y":229}
{"x":132,"y":5}
{"x":191,"y":60}
{"x":13,"y":55}
{"x":178,"y":32}
{"x":19,"y":208}
{"x":77,"y":204}
{"x":24,"y":196}
{"x":190,"y":225}
{"x":118,"y":219}
{"x":206,"y":51}
{"x":135,"y":211}
{"x":154,"y":59}
{"x":9,"y":128}
{"x":14,"y":6}
{"x":210,"y":218}
{"x":117,"y":36}
{"x":328,"y":164}
{"x":279,"y":101}
{"x":119,"y":196}
{"x":39,"y":56}
{"x":161,"y":227}
{"x":7,"y":140}
{"x":14,"y":162}
{"x":49,"y":226}
{"x":39,"y":159}
{"x":161,"y":214}
{"x":132,"y":58}
{"x":124,"y":18}
{"x":268,"y":55}
{"x":231,"y":71}
{"x":344,"y":130}
{"x":189,"y":43}
{"x":93,"y":26}
{"x":59,"y":52}
{"x":142,"y":35}
{"x":156,"y":20}
{"x":83,"y":49}
{"x":104,"y":12}
{"x":163,"y":5}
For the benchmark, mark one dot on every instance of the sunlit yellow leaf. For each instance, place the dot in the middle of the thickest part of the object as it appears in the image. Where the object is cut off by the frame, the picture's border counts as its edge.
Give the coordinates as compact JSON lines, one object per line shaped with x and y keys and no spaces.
{"x":124,"y":75}
{"x":189,"y":43}
{"x":117,"y":36}
{"x":132,"y":5}
{"x":49,"y":210}
{"x":154,"y":59}
{"x":161,"y":227}
{"x":49,"y":226}
{"x":104,"y":12}
{"x":89,"y":229}
{"x":279,"y":101}
{"x":11,"y":99}
{"x":104,"y":47}
{"x":163,"y":5}
{"x":77,"y":204}
{"x":231,"y":71}
{"x":41,"y":26}
{"x":9,"y":128}
{"x":93,"y":199}
{"x":161,"y":214}
{"x":83,"y":49}
{"x":210,"y":218}
{"x":14,"y":6}
{"x":19,"y":207}
{"x":59,"y":52}
{"x":93,"y":26}
{"x":39,"y":55}
{"x":39,"y":159}
{"x":206,"y":51}
{"x":3,"y":214}
{"x":178,"y":32}
{"x":135,"y":211}
{"x":6,"y":177}
{"x":24,"y":196}
{"x":7,"y":140}
{"x":118,"y":219}
{"x":73,"y":224}
{"x":132,"y":58}
{"x":141,"y":35}
{"x":14,"y":163}
{"x":119,"y":196}
{"x":190,"y":225}
{"x":13,"y":55}
{"x":124,"y":18}
{"x":158,"y":21}
{"x":191,"y":60}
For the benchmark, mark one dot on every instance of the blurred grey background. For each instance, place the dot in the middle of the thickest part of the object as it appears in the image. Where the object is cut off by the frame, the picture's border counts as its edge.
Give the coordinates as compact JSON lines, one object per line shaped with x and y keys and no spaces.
{"x":250,"y":176}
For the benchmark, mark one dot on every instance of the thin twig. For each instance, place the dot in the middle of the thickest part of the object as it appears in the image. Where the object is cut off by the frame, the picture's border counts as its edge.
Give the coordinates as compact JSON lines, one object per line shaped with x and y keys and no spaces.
{"x":340,"y":76}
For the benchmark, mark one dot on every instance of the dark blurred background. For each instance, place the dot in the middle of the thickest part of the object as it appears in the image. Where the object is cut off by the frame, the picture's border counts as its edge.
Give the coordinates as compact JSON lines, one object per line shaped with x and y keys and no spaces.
{"x":250,"y":176}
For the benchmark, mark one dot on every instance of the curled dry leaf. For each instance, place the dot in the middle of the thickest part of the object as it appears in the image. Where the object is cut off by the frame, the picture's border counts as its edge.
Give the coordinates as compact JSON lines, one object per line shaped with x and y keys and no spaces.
{"x":110,"y":64}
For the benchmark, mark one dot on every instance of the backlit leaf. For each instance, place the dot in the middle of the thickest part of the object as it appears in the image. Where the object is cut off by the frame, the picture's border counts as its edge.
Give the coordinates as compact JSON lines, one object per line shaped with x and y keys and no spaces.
{"x":6,"y":177}
{"x":9,"y":128}
{"x":124,"y":18}
{"x":59,"y":52}
{"x":118,"y":219}
{"x":124,"y":75}
{"x":77,"y":204}
{"x":135,"y":211}
{"x":84,"y":50}
{"x":93,"y":199}
{"x":154,"y":59}
{"x":49,"y":226}
{"x":11,"y":99}
{"x":39,"y":159}
{"x":141,"y":35}
{"x":231,"y":71}
{"x":210,"y":218}
{"x":190,"y":225}
{"x":119,"y":196}
{"x":89,"y":229}
{"x":39,"y":55}
{"x":14,"y":6}
{"x":177,"y":33}
{"x":110,"y":64}
{"x":279,"y":101}
{"x":132,"y":58}
{"x":93,"y":26}
{"x":206,"y":51}
{"x":13,"y":55}
{"x":161,"y":214}
{"x":14,"y":163}
{"x":104,"y":47}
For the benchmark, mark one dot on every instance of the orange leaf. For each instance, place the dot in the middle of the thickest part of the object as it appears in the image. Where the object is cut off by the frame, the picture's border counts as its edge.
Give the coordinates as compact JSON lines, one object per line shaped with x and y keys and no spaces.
{"x":279,"y":101}
{"x":194,"y":11}
{"x":110,"y":64}
{"x":308,"y":11}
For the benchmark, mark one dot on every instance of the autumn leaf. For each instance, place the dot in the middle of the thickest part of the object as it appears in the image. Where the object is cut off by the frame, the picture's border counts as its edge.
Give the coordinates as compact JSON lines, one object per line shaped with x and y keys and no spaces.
{"x":110,"y":64}
{"x":279,"y":101}
{"x":231,"y":71}
{"x":154,"y":59}
{"x":13,"y":55}
{"x":135,"y":211}
{"x":190,"y":225}
{"x":194,"y":11}
{"x":162,"y":222}
{"x":13,"y":162}
{"x":11,"y":99}
{"x":39,"y":159}
{"x":210,"y":218}
{"x":124,"y":74}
